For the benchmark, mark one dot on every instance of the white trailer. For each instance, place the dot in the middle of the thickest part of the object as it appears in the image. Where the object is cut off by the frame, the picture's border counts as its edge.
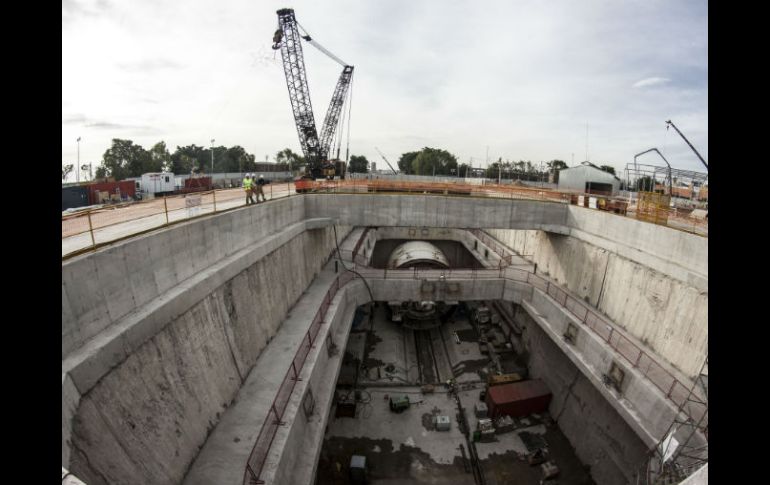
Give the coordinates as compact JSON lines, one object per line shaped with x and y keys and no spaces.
{"x":153,"y":184}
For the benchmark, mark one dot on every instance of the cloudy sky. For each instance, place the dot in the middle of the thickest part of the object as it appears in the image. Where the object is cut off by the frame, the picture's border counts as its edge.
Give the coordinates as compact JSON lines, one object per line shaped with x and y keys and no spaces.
{"x":521,"y":79}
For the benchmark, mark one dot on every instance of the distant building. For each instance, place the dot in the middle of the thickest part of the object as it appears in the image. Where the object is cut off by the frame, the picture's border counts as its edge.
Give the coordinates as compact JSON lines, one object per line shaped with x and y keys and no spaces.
{"x":373,"y":168}
{"x":589,"y":179}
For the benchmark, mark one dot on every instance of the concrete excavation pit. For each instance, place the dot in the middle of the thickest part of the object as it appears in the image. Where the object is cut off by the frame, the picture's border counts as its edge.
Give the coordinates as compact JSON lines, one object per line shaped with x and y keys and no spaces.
{"x":274,"y":344}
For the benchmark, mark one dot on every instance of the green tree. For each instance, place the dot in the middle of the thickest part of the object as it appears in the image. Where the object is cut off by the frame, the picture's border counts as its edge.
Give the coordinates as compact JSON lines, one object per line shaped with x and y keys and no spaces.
{"x":556,"y":165}
{"x":66,"y":170}
{"x":430,"y":161}
{"x":191,"y":157}
{"x":288,"y":157}
{"x":160,"y":158}
{"x":608,"y":169}
{"x":405,"y":162}
{"x":645,"y":184}
{"x":462,"y":170}
{"x":237,"y":160}
{"x":125,"y":159}
{"x":358,"y":164}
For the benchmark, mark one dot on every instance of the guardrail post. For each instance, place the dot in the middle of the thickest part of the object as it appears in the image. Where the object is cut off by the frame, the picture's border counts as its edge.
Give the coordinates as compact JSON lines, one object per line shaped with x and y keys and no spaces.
{"x":214,"y":193}
{"x":271,"y":191}
{"x":165,"y":208}
{"x":91,"y":229}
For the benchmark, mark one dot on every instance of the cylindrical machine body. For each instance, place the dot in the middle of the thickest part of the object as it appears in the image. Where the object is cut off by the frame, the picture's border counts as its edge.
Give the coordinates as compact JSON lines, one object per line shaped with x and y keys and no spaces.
{"x":417,"y":254}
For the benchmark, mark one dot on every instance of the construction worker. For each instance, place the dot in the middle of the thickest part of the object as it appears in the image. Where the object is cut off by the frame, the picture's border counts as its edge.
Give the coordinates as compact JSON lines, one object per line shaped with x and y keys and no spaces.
{"x":248,"y":186}
{"x":259,"y":188}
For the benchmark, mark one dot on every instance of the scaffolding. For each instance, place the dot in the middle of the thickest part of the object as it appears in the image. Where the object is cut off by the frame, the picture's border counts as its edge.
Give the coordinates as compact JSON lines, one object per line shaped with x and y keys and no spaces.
{"x":658,"y":178}
{"x":684,"y":447}
{"x":653,"y":207}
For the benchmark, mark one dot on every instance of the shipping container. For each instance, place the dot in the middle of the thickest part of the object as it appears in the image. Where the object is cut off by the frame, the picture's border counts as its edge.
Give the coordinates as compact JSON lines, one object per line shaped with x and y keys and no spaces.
{"x":123,"y":190}
{"x":518,"y":398}
{"x":196,"y":184}
{"x":71,"y":197}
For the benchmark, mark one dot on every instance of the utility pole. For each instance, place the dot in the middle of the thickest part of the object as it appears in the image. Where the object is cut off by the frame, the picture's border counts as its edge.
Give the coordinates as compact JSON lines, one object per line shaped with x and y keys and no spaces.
{"x":212,"y":161}
{"x":77,"y":167}
{"x":586,"y":142}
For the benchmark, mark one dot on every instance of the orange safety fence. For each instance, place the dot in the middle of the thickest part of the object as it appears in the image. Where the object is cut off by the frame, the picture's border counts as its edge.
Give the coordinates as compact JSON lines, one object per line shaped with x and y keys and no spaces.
{"x":110,"y":223}
{"x":135,"y":218}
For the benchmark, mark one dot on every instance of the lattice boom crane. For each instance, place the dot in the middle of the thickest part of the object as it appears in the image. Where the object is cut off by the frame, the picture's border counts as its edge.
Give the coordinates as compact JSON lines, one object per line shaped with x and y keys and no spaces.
{"x":317,"y":149}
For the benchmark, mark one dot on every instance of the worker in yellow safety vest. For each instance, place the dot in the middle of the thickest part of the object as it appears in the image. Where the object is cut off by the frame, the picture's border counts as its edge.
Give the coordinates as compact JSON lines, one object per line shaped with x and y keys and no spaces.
{"x":248,"y":186}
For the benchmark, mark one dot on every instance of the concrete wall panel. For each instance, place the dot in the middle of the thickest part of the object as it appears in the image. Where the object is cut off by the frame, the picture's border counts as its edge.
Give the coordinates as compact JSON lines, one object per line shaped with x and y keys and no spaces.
{"x":158,"y":405}
{"x":666,"y":314}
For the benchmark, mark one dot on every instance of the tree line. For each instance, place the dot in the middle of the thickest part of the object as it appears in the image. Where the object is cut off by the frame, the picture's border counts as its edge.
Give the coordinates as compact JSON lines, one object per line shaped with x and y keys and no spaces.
{"x":126,"y":159}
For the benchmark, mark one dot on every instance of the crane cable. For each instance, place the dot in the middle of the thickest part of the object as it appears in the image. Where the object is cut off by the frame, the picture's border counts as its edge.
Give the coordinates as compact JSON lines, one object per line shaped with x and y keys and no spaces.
{"x":321,"y":48}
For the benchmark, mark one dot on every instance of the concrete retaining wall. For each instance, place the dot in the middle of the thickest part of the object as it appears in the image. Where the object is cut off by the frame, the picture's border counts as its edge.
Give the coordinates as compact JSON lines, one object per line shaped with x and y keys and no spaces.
{"x":98,"y":289}
{"x":145,"y":420}
{"x":668,"y":315}
{"x":602,"y":439}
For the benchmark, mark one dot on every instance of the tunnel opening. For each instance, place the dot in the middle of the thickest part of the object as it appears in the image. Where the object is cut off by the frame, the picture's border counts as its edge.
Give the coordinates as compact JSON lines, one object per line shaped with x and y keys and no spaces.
{"x":457,"y":255}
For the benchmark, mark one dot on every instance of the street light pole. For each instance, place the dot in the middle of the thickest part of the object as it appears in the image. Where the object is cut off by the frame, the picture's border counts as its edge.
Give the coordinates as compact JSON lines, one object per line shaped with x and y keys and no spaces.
{"x":212,"y":163}
{"x":77,"y":168}
{"x":212,"y":160}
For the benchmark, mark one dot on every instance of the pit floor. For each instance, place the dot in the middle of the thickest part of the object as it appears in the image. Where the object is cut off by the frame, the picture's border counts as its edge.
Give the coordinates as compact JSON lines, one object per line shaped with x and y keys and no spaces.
{"x":404,"y":448}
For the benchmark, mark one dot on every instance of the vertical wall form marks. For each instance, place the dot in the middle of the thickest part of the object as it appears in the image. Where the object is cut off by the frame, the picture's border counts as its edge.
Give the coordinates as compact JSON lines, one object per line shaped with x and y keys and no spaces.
{"x":601,"y":438}
{"x":666,"y":314}
{"x":145,"y":421}
{"x":158,"y":404}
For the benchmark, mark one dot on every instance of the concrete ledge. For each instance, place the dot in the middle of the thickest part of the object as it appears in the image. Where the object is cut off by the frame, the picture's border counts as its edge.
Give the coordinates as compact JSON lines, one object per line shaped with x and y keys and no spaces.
{"x":100,"y":288}
{"x":109,"y":348}
{"x":641,"y":404}
{"x":319,"y":378}
{"x":83,"y":369}
{"x":222,"y":460}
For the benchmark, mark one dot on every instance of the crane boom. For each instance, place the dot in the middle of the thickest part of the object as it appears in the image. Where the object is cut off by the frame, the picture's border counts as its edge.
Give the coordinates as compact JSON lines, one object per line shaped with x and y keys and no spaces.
{"x":669,"y":122}
{"x":315,"y":148}
{"x":333,"y":113}
{"x":386,"y":161}
{"x":299,"y":93}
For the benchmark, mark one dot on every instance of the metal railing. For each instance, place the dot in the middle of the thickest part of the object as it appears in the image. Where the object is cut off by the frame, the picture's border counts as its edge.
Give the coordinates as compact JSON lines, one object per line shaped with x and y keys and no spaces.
{"x":267,"y":432}
{"x":89,"y":229}
{"x":640,"y":360}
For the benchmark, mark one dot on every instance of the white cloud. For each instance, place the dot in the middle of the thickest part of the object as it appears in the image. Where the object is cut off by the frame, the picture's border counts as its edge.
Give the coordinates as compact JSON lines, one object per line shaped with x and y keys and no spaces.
{"x":651,"y":81}
{"x":521,"y":77}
